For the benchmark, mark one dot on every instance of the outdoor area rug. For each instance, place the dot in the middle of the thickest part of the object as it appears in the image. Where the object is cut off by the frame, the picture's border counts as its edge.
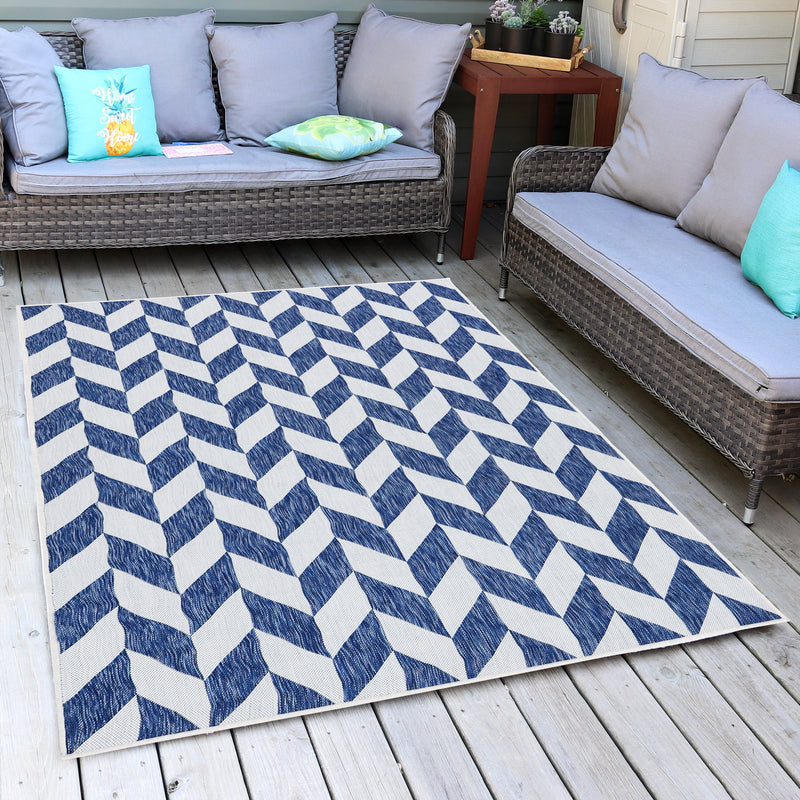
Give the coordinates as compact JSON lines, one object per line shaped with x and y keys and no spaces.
{"x":271,"y":503}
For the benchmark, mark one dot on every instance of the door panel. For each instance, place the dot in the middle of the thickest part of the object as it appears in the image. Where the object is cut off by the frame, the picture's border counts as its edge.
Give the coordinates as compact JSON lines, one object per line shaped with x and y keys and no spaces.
{"x":651,"y":28}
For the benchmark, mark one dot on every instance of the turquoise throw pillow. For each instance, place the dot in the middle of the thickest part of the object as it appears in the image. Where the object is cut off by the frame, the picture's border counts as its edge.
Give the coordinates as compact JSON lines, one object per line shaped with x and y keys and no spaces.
{"x":110,"y":113}
{"x":334,"y":138}
{"x":771,"y":254}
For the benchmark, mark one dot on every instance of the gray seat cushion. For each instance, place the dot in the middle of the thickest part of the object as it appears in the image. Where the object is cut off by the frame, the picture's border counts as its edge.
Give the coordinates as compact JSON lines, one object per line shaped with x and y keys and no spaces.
{"x":691,"y":288}
{"x":246,"y":167}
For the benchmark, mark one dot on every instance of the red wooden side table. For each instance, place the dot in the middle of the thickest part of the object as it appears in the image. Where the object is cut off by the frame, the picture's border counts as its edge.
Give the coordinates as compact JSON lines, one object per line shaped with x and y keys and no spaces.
{"x":487,"y":81}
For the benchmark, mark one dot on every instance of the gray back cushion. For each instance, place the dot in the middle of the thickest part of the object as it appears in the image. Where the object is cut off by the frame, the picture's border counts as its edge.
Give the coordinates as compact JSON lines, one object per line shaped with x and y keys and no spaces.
{"x":765,"y":133}
{"x":672,"y":131}
{"x":176,"y":50}
{"x":273,"y":76}
{"x":34,"y":125}
{"x":399,"y":71}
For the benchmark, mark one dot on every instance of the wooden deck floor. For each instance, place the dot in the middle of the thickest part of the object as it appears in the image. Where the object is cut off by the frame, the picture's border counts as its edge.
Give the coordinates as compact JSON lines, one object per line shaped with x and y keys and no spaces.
{"x":715,"y":719}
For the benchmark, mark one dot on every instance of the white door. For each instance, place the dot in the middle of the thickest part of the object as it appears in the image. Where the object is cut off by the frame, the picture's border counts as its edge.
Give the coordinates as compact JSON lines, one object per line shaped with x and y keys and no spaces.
{"x":717,"y":38}
{"x":656,"y":27}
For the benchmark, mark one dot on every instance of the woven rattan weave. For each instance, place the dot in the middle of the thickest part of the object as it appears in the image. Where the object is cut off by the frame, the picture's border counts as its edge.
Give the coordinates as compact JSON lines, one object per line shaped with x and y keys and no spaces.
{"x":762,"y":438}
{"x":230,"y":215}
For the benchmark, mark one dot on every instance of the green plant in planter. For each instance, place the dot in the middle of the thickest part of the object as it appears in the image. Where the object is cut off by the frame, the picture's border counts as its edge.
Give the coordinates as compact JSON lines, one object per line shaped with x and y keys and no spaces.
{"x":532,"y":11}
{"x":538,"y":18}
{"x":512,"y":20}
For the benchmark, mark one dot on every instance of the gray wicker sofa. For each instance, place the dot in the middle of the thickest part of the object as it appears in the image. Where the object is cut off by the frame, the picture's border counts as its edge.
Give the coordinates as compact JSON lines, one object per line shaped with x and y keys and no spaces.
{"x":671,"y":309}
{"x":253,"y":210}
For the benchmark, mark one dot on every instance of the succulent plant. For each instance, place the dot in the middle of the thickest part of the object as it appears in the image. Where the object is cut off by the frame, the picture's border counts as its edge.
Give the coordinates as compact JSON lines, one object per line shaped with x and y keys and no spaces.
{"x":564,"y":23}
{"x":513,"y":21}
{"x":499,"y":7}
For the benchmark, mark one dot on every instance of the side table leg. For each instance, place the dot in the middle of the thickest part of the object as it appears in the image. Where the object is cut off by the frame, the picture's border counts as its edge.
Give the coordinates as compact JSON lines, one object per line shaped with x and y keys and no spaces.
{"x":605,"y":117}
{"x":545,"y":118}
{"x":487,"y":100}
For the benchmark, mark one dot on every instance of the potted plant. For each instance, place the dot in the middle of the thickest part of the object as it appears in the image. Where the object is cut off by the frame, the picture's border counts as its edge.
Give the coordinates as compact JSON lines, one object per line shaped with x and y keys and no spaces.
{"x":494,"y":23}
{"x":516,"y":35}
{"x":537,"y":18}
{"x":560,"y":39}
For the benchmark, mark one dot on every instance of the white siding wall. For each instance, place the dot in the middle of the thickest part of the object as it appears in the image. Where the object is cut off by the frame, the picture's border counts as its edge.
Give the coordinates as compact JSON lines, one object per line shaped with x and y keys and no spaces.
{"x":744,"y":38}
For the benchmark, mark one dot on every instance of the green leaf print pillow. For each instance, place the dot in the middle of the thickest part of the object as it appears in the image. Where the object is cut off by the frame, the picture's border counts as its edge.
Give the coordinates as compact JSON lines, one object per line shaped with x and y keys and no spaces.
{"x":110,"y":113}
{"x":335,"y":138}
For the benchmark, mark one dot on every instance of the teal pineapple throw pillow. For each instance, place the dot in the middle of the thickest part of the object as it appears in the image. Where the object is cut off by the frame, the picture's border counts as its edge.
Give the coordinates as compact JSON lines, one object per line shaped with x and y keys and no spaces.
{"x":771,"y":254}
{"x":334,"y":137}
{"x":110,"y":113}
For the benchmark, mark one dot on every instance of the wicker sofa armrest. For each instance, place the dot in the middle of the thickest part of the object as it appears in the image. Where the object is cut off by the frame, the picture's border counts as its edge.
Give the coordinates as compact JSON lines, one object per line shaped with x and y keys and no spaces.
{"x":444,"y":145}
{"x":548,"y":168}
{"x":444,"y":140}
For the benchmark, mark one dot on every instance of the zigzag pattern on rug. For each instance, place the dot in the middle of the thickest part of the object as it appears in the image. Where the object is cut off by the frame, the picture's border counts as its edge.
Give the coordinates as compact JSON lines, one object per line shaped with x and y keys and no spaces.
{"x":268,"y":503}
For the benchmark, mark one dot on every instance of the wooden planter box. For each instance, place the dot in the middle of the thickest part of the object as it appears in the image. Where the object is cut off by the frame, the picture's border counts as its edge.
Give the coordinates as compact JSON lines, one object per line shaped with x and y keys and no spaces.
{"x":479,"y":53}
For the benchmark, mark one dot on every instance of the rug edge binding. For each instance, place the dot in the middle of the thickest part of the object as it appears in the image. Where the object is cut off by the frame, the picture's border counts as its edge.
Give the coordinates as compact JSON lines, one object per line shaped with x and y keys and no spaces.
{"x":425,"y":690}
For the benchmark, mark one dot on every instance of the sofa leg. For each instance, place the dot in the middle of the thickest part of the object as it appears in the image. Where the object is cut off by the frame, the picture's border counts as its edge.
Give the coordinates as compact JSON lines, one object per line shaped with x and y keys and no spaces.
{"x":501,"y":292}
{"x":751,"y":503}
{"x":442,"y":248}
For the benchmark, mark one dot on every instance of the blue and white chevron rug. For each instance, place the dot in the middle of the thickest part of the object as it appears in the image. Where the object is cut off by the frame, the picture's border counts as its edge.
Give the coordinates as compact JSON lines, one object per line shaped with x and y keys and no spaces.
{"x":264,"y":504}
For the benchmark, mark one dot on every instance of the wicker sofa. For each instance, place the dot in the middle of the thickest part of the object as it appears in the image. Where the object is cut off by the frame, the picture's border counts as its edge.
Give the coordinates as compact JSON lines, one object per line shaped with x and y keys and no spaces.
{"x":252,"y":212}
{"x":749,"y":416}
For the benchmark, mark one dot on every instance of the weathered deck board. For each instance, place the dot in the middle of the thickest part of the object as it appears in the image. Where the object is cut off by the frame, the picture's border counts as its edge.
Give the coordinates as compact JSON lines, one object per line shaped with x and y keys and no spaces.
{"x":711,"y":719}
{"x":504,"y":747}
{"x":202,"y":766}
{"x":354,"y":755}
{"x":123,"y":775}
{"x":435,"y":760}
{"x":643,"y":731}
{"x":30,"y":765}
{"x":713,"y":727}
{"x":762,"y":703}
{"x":586,"y":757}
{"x":279,"y":762}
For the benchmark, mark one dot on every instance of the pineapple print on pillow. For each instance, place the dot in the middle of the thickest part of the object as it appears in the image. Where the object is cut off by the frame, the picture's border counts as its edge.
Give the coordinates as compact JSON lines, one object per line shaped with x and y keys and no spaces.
{"x":119,"y":109}
{"x":110,"y":113}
